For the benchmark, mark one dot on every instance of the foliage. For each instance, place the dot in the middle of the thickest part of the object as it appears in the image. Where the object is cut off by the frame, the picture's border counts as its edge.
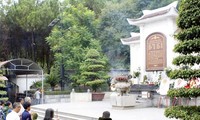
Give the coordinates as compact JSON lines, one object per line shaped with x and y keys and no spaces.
{"x":184,"y":92}
{"x":188,"y":47}
{"x":144,"y":78}
{"x":72,"y":36}
{"x":113,"y":26}
{"x":184,"y":73}
{"x":193,"y":32}
{"x":93,"y":70}
{"x":94,"y":5}
{"x":56,"y":92}
{"x":183,"y":112}
{"x":188,"y":38}
{"x":136,"y":73}
{"x":190,"y":60}
{"x":3,"y":92}
{"x":188,"y":14}
{"x":38,"y":84}
{"x":23,"y":27}
{"x":52,"y":78}
{"x":4,"y":99}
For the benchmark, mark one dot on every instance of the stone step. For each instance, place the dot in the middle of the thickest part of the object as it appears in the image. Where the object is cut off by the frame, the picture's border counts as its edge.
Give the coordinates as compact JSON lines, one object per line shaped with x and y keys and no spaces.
{"x":61,"y":115}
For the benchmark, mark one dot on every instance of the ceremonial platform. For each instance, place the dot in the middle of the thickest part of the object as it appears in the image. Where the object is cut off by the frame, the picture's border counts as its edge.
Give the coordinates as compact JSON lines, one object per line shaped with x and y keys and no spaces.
{"x":93,"y":110}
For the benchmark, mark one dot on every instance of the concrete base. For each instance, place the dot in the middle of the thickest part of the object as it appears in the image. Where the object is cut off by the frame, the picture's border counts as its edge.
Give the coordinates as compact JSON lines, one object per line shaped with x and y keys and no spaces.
{"x":123,"y":101}
{"x":80,"y":97}
{"x":55,"y":98}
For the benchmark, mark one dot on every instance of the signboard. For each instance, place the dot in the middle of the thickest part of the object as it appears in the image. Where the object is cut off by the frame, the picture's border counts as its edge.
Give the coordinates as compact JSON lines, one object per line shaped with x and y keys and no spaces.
{"x":155,"y":52}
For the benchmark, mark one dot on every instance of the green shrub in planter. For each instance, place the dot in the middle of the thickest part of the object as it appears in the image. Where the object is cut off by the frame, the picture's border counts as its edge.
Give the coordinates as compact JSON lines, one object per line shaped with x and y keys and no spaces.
{"x":184,"y":92}
{"x":183,"y":112}
{"x":56,"y":92}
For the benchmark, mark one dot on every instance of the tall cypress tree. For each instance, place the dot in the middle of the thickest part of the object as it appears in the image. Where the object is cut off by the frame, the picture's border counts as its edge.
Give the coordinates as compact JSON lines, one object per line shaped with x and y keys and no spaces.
{"x":3,"y":93}
{"x":188,"y":60}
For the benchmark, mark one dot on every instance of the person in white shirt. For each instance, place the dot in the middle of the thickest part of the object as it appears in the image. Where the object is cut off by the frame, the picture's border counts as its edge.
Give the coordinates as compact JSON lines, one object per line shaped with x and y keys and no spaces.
{"x":37,"y":96}
{"x":14,"y":114}
{"x":21,"y":101}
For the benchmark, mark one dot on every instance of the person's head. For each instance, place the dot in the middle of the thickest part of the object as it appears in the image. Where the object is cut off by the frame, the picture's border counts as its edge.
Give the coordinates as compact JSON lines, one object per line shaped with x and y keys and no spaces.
{"x":106,"y":114}
{"x":2,"y":103}
{"x":27,"y":106}
{"x":27,"y":99}
{"x":34,"y":116}
{"x":49,"y":113}
{"x":8,"y":104}
{"x":16,"y":107}
{"x":21,"y":100}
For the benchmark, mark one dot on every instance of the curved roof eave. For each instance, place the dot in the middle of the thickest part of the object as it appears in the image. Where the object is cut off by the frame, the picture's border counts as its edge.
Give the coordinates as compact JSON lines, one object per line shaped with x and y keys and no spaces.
{"x":21,"y":66}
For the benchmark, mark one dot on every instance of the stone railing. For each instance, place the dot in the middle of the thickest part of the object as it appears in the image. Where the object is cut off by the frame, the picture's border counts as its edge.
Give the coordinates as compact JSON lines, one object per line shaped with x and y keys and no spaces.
{"x":56,"y":98}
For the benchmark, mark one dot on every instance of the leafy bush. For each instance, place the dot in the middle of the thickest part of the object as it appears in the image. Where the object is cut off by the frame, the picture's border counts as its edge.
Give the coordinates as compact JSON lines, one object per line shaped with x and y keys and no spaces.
{"x":56,"y":92}
{"x":4,"y":99}
{"x":183,"y":73}
{"x":184,"y":92}
{"x":38,"y":84}
{"x":183,"y":112}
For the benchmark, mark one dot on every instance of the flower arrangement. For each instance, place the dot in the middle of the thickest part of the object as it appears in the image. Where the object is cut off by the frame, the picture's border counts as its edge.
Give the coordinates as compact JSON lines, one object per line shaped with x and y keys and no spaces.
{"x":121,"y":78}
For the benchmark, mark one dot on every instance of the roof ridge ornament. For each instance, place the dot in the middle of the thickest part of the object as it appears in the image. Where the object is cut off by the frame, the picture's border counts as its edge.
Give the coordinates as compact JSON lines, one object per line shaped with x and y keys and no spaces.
{"x":172,"y":5}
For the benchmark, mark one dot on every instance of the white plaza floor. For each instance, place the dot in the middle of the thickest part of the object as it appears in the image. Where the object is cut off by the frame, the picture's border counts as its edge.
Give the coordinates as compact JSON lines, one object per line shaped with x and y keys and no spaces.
{"x":95,"y":109}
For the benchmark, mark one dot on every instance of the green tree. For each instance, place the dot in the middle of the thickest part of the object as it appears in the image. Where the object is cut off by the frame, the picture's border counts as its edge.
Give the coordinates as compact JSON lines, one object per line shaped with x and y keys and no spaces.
{"x":188,"y":48}
{"x":53,"y":78}
{"x":93,"y":70}
{"x":114,"y":26}
{"x":24,"y":26}
{"x":94,"y":5}
{"x":72,"y":36}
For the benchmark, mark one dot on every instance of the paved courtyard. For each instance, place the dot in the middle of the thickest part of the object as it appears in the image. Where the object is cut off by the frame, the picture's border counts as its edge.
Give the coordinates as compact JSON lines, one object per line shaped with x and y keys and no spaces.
{"x":95,"y":109}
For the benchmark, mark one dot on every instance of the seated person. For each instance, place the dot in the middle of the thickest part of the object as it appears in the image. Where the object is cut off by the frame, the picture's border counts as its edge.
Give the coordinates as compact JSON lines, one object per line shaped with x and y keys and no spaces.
{"x":105,"y":116}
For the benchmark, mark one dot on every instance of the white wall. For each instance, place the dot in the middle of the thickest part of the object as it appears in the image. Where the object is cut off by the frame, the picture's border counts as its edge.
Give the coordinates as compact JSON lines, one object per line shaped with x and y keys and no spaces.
{"x":135,"y":57}
{"x":24,"y":82}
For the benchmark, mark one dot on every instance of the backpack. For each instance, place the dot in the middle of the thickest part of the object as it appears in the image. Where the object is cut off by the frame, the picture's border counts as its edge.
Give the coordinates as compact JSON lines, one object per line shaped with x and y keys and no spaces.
{"x":2,"y":115}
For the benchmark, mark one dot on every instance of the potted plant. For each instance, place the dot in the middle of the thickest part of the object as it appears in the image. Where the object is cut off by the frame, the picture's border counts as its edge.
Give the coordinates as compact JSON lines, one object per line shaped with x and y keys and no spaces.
{"x":121,"y":84}
{"x":136,"y":74}
{"x":145,"y":79}
{"x":94,"y":72}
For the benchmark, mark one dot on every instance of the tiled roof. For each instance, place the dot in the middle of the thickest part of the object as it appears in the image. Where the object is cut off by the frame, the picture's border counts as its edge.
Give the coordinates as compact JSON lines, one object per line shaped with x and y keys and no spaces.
{"x":131,"y":39}
{"x":156,"y":12}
